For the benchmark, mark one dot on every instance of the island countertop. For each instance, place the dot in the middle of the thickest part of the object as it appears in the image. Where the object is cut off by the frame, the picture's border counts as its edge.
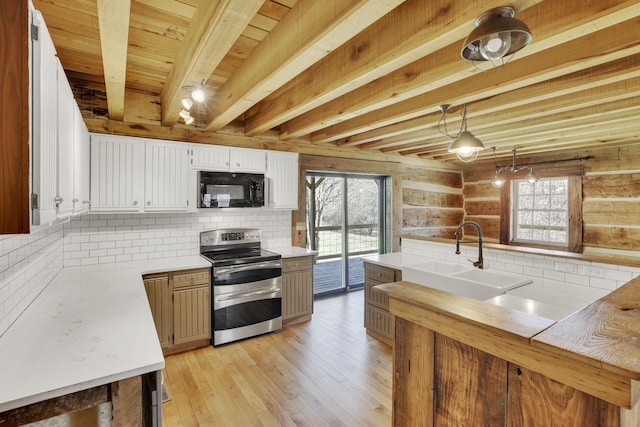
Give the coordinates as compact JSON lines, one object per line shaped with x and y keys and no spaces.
{"x":596,"y":349}
{"x":90,"y":326}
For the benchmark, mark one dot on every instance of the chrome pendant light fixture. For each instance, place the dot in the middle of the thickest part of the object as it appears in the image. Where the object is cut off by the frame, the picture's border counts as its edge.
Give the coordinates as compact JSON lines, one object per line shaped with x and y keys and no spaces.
{"x":498,"y":35}
{"x":464,"y":144}
{"x":498,"y":180}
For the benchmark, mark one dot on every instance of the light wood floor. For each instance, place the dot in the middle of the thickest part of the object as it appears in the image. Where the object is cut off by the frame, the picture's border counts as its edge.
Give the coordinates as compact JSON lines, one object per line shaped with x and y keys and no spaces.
{"x":325,"y":372}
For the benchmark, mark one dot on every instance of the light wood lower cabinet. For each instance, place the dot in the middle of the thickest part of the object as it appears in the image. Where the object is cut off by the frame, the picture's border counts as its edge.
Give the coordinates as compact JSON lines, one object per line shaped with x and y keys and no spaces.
{"x":379,"y":323}
{"x":297,"y":289}
{"x":181,"y":307}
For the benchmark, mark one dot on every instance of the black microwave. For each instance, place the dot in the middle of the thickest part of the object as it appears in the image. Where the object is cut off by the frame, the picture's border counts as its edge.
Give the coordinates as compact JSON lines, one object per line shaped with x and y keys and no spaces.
{"x":230,"y":190}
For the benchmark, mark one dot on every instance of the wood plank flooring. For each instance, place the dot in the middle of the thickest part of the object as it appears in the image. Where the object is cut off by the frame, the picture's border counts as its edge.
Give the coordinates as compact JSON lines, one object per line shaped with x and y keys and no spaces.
{"x":325,"y":372}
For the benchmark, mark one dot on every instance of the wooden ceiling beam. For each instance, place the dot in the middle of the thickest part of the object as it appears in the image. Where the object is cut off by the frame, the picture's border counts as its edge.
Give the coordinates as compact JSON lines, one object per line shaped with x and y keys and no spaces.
{"x":617,"y":98}
{"x":581,"y":121}
{"x":630,"y":135}
{"x":445,"y":66}
{"x":540,"y":142}
{"x":215,"y":27}
{"x":407,"y":33}
{"x":113,"y":20}
{"x":306,"y":34}
{"x":614,"y":81}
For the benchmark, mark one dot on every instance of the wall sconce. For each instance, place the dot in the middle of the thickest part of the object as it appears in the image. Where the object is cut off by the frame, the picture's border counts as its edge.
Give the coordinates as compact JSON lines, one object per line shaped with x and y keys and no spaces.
{"x":497,"y":35}
{"x":464,"y":144}
{"x":498,"y":181}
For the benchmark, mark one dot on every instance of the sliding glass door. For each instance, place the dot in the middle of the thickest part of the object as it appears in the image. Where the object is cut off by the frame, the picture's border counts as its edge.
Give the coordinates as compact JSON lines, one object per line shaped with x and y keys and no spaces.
{"x":345,"y":220}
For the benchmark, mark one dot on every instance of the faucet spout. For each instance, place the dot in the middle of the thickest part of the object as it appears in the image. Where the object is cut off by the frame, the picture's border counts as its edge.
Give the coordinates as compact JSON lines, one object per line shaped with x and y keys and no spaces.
{"x":480,"y":262}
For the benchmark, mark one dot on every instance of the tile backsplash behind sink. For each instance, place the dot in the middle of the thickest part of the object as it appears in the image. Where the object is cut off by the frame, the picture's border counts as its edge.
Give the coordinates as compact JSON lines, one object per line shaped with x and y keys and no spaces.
{"x":555,"y":271}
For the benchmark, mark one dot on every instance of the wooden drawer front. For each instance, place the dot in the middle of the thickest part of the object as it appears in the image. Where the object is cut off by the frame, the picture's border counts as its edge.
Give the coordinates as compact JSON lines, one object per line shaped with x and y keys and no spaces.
{"x":379,"y":321}
{"x":191,"y":278}
{"x":295,"y":264}
{"x":375,"y":297}
{"x":380,"y":274}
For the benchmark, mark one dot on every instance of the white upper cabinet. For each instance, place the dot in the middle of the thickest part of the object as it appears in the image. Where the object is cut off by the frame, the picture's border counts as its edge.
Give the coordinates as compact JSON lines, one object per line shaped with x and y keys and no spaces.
{"x":45,"y":124}
{"x":59,"y":139}
{"x":81,"y":161}
{"x":117,"y":174}
{"x":248,"y":160}
{"x":166,"y":172}
{"x":282,"y":175}
{"x":66,"y":134}
{"x":208,"y":157}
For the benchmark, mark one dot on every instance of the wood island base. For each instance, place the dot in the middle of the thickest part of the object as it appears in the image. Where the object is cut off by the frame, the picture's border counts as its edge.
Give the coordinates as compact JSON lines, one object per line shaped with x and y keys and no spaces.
{"x":129,"y":402}
{"x":462,"y":362}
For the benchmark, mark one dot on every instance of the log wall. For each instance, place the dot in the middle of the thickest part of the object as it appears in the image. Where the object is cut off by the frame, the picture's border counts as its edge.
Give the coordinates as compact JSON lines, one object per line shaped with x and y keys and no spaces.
{"x":432,"y":202}
{"x":610,"y":198}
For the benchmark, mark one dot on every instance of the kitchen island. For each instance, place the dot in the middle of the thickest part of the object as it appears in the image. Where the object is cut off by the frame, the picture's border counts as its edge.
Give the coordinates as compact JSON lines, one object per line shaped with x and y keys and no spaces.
{"x":460,"y":361}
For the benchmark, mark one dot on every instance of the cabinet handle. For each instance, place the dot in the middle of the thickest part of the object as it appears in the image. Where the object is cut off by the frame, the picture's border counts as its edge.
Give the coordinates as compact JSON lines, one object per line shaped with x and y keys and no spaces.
{"x":86,"y":202}
{"x":58,"y":199}
{"x":135,"y":203}
{"x":148,"y":203}
{"x":75,"y":200}
{"x":284,"y":280}
{"x":379,"y":316}
{"x":379,"y":274}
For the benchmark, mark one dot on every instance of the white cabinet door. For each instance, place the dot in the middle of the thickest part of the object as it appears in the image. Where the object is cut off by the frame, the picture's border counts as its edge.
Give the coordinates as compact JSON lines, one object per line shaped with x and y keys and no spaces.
{"x":66,"y":109}
{"x":166,"y":172}
{"x":82,"y":162}
{"x":248,"y":160}
{"x":117,"y":174}
{"x":282,"y":175}
{"x":209,"y":157}
{"x":44,"y":138}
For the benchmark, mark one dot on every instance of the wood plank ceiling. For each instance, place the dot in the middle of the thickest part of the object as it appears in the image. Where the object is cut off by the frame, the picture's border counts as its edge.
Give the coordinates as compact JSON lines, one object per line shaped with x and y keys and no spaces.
{"x":354,"y":75}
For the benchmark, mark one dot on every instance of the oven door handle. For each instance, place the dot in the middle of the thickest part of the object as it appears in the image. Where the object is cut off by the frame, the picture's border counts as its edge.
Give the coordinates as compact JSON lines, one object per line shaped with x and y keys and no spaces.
{"x":244,"y":294}
{"x":247,"y":267}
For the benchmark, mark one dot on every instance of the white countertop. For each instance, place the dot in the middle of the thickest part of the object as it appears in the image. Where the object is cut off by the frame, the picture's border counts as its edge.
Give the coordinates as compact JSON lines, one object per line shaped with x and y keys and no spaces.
{"x":393,"y":260}
{"x":292,"y":251}
{"x":552,"y":302}
{"x":540,"y":298}
{"x":90,"y":326}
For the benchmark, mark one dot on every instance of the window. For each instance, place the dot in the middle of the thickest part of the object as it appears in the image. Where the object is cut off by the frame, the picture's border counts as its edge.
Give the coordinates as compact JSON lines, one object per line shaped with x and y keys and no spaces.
{"x":541,"y":211}
{"x":547,"y":214}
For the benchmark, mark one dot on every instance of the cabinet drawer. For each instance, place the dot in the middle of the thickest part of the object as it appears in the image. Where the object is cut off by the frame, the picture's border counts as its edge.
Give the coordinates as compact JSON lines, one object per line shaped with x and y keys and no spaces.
{"x":375,"y":297}
{"x":191,"y":278}
{"x":295,"y":264}
{"x":380,"y":274}
{"x":379,"y":321}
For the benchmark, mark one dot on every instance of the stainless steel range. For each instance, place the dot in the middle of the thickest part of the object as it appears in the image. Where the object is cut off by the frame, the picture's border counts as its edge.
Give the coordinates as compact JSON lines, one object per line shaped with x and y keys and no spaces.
{"x":246,"y":298}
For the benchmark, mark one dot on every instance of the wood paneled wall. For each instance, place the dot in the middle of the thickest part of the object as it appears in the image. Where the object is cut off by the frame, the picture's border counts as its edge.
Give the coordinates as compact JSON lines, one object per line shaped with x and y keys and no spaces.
{"x":482,"y":201}
{"x":611,"y":200}
{"x":432,"y":202}
{"x":610,"y":197}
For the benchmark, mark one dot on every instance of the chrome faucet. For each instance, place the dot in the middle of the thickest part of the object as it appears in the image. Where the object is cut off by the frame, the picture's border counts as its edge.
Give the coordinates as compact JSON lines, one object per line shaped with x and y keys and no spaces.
{"x":480,"y":262}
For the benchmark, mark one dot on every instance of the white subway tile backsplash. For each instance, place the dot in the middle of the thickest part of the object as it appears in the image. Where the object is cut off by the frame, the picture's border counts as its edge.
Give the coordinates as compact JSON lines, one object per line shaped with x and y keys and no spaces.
{"x":596,"y":282}
{"x":27,"y":264}
{"x":555,"y":271}
{"x":144,"y":236}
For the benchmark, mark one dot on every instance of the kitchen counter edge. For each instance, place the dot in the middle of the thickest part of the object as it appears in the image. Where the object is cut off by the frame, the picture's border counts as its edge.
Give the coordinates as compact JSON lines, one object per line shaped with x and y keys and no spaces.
{"x":61,"y":343}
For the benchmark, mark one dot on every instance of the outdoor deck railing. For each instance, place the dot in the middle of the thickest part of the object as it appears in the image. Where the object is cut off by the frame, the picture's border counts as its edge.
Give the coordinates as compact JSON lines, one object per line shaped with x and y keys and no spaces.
{"x":362,"y":239}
